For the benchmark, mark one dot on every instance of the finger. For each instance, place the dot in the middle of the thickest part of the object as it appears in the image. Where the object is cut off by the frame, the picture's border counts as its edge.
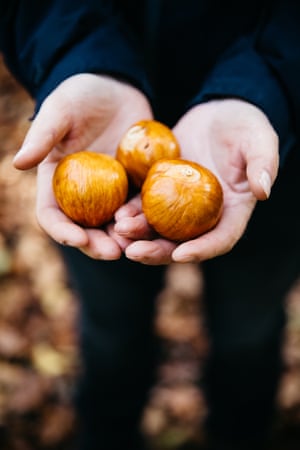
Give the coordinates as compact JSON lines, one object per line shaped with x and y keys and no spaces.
{"x":206,"y":247}
{"x":50,"y":217}
{"x":156,"y":252}
{"x":60,"y":228}
{"x":134,"y":228}
{"x":48,"y":128}
{"x":93,"y":242}
{"x":130,"y":209}
{"x":121,"y":241}
{"x":101,"y":246}
{"x":262,"y":164}
{"x":218,"y":241}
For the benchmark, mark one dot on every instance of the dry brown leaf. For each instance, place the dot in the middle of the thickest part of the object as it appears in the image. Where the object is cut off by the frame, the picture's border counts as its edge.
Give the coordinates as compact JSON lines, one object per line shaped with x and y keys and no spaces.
{"x":12,"y":343}
{"x":57,"y":423}
{"x":49,"y":361}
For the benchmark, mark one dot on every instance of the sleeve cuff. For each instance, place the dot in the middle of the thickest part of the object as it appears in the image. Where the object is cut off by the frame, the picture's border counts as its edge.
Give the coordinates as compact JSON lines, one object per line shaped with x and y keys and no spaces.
{"x":86,"y":57}
{"x":242,"y":73}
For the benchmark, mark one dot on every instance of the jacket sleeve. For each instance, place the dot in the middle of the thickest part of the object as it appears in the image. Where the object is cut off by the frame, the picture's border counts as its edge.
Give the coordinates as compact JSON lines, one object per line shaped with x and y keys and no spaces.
{"x":45,"y":42}
{"x":264,"y":69}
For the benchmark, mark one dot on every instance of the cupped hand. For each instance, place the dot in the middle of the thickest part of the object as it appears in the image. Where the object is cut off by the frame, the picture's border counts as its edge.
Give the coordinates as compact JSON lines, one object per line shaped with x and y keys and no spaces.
{"x":237,"y":142}
{"x":86,"y":111}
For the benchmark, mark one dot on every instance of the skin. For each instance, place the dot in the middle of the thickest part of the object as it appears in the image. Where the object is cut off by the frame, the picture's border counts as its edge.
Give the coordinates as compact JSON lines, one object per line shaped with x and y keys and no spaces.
{"x":231,"y":137}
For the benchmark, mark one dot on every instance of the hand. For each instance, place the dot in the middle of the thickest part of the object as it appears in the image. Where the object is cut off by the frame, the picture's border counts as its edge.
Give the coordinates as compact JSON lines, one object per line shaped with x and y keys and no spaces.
{"x":85,"y":111}
{"x":237,"y":142}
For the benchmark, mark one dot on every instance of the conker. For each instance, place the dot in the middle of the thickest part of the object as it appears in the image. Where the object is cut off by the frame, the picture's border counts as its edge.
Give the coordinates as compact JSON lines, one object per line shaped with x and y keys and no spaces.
{"x":89,"y":187}
{"x":181,"y":199}
{"x":144,"y":143}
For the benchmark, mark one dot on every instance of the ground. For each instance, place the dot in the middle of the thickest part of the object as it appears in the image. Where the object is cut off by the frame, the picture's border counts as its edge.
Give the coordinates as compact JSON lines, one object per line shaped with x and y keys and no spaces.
{"x":39,"y":360}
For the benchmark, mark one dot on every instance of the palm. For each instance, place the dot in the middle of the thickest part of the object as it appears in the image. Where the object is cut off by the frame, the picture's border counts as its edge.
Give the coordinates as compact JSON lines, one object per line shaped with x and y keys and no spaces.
{"x":219,"y":147}
{"x":86,"y":111}
{"x":236,"y":141}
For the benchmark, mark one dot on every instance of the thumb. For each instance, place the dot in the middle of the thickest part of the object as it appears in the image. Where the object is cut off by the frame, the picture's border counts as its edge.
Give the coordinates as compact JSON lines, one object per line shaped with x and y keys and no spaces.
{"x":262,"y":165}
{"x":46,"y":131}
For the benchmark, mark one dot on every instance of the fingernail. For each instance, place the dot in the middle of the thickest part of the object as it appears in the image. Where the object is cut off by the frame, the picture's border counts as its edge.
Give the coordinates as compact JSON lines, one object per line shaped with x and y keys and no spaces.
{"x":265,"y":182}
{"x":23,"y":150}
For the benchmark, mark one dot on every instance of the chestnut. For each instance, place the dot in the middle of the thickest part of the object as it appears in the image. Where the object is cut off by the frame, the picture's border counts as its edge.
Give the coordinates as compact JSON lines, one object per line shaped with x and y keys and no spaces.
{"x":145,"y":142}
{"x":89,"y":187}
{"x":181,"y":199}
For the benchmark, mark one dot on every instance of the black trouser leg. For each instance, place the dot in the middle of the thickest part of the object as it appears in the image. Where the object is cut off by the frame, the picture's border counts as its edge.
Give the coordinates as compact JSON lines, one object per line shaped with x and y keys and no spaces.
{"x":244,"y":367}
{"x":245,"y":292}
{"x":119,"y":349}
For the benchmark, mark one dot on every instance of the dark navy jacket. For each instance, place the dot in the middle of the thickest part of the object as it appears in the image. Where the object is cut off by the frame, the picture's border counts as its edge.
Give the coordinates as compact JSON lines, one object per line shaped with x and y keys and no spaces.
{"x":179,"y":52}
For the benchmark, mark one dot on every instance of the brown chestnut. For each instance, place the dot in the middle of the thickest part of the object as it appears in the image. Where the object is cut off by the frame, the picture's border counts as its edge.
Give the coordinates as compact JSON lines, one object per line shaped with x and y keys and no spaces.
{"x":181,"y":199}
{"x":144,"y":143}
{"x":89,"y":187}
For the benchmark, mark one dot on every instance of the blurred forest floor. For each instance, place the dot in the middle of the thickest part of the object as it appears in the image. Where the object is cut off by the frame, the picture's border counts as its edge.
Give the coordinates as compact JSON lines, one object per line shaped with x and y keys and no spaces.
{"x":39,"y":360}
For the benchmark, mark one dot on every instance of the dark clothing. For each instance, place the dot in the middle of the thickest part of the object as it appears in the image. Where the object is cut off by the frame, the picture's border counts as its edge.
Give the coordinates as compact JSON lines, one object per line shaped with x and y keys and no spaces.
{"x":179,"y":53}
{"x":182,"y":53}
